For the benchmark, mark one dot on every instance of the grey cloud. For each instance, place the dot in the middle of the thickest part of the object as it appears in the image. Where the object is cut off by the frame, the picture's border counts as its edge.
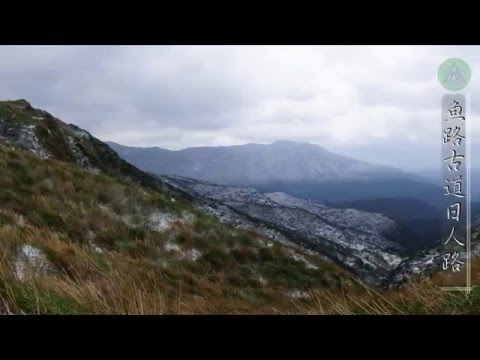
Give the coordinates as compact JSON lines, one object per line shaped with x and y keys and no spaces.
{"x":197,"y":96}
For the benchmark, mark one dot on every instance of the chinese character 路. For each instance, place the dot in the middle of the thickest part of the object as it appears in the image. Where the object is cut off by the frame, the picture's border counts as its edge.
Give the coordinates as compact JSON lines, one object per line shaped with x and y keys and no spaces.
{"x":453,"y":134}
{"x":452,"y":260}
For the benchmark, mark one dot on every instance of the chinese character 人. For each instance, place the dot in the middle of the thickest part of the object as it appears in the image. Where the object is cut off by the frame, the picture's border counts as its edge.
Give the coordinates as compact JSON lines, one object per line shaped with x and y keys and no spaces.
{"x":454,"y":238}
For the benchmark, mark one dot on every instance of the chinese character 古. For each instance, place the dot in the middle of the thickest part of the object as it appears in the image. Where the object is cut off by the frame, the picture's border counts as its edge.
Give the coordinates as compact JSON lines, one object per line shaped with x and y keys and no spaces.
{"x":454,"y":164}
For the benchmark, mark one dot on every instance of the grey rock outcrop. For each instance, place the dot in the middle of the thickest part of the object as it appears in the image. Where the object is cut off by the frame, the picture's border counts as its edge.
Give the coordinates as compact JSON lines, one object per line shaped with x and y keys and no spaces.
{"x":361,"y":242}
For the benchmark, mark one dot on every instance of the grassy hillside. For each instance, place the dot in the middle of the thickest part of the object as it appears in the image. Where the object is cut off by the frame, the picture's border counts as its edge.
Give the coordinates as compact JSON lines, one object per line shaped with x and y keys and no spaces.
{"x":74,"y":241}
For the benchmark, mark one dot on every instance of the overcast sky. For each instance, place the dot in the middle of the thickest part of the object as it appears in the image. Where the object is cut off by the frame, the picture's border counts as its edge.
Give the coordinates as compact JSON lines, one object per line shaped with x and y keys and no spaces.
{"x":374,"y":103}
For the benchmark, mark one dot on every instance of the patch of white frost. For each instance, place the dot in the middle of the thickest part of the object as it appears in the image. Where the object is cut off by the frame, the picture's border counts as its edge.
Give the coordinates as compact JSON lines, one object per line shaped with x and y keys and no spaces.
{"x":265,"y":242}
{"x":358,"y":247}
{"x":20,"y":220}
{"x":187,"y":217}
{"x":92,"y":244}
{"x":27,"y":136}
{"x":48,"y":182}
{"x":160,"y":221}
{"x":297,"y":294}
{"x":169,"y":246}
{"x":262,"y":280}
{"x":192,"y":255}
{"x":30,"y":260}
{"x":391,"y":259}
{"x":189,"y":255}
{"x":80,"y":133}
{"x":94,"y":170}
{"x":416,"y":270}
{"x":301,"y":258}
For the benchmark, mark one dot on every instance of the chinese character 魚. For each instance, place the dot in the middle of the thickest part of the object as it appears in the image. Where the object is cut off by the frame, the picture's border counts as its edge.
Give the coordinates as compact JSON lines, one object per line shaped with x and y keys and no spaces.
{"x":455,"y":111}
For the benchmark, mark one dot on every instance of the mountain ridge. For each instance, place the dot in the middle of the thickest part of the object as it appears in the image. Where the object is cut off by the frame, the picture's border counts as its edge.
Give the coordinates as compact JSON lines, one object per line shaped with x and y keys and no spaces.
{"x":298,"y":169}
{"x":283,"y":160}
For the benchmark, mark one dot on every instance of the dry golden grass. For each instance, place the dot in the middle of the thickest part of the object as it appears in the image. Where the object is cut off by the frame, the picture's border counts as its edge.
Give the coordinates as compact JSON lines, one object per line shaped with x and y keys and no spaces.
{"x":120,"y":286}
{"x":423,"y":296}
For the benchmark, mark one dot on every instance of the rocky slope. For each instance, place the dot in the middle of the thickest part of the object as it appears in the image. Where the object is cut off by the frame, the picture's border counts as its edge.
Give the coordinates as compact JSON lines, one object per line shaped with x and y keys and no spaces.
{"x":365,"y":243}
{"x":427,"y":262}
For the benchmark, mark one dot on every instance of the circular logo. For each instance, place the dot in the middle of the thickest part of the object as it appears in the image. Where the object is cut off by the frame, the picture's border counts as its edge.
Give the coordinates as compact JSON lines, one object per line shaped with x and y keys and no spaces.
{"x":454,"y":74}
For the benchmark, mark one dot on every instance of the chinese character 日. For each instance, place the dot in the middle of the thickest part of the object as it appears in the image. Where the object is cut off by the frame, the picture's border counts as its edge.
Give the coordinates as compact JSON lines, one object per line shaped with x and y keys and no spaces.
{"x":453,"y":212}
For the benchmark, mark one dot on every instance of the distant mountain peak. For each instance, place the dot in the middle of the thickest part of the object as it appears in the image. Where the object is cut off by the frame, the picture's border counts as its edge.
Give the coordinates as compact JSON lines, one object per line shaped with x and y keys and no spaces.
{"x":297,"y":144}
{"x":19,"y":102}
{"x":22,"y":102}
{"x":254,"y":164}
{"x":287,"y":142}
